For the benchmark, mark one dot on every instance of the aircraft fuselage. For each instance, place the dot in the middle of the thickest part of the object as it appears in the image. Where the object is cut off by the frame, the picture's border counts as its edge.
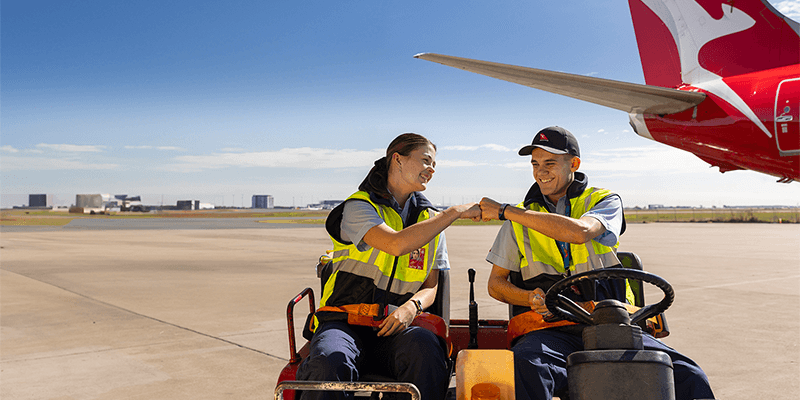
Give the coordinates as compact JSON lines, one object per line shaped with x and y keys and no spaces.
{"x":721,"y":134}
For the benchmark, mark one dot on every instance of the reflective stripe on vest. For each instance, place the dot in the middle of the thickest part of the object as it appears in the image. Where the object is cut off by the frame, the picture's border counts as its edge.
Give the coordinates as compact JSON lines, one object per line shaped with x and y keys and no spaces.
{"x":540,"y":253}
{"x":376,"y":265}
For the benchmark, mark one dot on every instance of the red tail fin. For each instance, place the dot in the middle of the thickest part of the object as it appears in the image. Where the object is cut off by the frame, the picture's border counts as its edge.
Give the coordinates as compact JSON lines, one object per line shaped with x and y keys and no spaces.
{"x":692,"y":41}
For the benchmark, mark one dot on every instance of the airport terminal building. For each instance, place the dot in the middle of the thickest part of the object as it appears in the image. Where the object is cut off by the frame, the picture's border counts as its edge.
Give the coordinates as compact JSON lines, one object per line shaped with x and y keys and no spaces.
{"x":263,"y":201}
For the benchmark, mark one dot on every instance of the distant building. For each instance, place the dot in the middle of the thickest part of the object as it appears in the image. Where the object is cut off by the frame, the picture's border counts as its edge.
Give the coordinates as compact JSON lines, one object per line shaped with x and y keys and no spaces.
{"x":655,"y":206}
{"x":90,"y":200}
{"x":127,"y":203}
{"x":330,"y":204}
{"x":325,"y":205}
{"x":263,"y":201}
{"x":92,"y":203}
{"x":37,"y":200}
{"x":188,"y":205}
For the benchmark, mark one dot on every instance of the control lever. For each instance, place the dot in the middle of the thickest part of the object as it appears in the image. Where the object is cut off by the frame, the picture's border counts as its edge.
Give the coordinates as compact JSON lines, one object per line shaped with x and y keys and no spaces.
{"x":473,"y":312}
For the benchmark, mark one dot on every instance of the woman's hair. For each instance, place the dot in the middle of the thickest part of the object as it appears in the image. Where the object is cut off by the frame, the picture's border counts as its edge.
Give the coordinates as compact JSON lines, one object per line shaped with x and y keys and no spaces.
{"x":378,"y":176}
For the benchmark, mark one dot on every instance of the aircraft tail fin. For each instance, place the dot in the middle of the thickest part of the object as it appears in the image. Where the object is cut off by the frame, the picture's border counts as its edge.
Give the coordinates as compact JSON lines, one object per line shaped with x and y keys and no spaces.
{"x":694,"y":41}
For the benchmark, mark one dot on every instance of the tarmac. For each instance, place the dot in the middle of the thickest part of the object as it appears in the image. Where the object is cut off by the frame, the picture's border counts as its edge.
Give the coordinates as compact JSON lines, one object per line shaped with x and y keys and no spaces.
{"x":154,"y":310}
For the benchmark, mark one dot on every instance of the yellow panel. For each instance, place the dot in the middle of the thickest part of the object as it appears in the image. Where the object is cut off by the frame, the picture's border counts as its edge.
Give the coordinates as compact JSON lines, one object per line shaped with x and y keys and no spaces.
{"x":479,"y":366}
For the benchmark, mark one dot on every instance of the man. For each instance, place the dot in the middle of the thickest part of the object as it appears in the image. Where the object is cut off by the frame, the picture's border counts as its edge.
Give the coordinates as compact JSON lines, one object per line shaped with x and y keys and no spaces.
{"x":563,"y":227}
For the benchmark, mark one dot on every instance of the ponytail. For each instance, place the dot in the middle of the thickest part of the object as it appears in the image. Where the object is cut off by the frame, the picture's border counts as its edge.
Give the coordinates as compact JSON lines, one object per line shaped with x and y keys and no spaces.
{"x":377,"y":178}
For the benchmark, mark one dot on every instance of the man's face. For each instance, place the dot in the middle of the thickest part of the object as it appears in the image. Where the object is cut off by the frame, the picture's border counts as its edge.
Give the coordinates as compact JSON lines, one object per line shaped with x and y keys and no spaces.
{"x":553,"y":172}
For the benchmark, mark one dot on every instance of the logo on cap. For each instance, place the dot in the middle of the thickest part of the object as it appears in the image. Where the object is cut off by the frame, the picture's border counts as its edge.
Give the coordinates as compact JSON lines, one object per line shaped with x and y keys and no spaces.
{"x":543,"y":137}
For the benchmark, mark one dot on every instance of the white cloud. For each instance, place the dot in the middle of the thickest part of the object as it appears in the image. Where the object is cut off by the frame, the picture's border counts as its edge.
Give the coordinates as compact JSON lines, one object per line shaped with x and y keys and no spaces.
{"x":71,"y":147}
{"x":496,"y":147}
{"x":490,"y":146}
{"x":641,"y":161}
{"x":163,"y":148}
{"x":10,"y":163}
{"x":789,"y":8}
{"x":302,"y":158}
{"x":233,"y":149}
{"x":461,"y":148}
{"x":9,"y":149}
{"x":457,"y":163}
{"x":632,"y":161}
{"x":523,"y":165}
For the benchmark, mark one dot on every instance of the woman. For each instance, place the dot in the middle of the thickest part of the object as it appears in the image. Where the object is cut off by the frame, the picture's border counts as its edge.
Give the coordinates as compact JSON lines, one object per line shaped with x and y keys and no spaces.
{"x":386,"y":235}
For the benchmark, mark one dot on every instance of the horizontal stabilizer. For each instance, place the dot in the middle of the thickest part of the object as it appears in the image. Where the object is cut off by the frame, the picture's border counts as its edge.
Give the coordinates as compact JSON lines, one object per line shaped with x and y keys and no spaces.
{"x":628,"y":97}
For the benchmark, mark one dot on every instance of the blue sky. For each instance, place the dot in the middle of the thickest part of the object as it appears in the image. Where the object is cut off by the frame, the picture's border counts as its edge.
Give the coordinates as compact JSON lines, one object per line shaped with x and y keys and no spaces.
{"x":218,"y":101}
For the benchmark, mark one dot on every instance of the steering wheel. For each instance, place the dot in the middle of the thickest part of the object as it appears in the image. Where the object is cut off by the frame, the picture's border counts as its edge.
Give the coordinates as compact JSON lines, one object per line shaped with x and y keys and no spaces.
{"x":563,"y":307}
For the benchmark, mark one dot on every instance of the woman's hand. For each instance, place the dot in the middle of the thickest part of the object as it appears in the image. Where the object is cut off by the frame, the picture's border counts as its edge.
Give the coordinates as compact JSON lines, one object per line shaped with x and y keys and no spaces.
{"x":469,"y":210}
{"x":398,"y":320}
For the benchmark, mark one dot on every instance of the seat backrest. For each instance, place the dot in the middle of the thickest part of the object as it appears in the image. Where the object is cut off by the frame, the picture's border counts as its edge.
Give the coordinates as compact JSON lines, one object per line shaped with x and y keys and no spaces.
{"x":631,"y":260}
{"x":441,"y":306}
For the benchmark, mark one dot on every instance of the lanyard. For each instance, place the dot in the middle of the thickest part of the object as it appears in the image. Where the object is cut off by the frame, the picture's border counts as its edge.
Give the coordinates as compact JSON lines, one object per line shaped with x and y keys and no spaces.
{"x":563,"y":247}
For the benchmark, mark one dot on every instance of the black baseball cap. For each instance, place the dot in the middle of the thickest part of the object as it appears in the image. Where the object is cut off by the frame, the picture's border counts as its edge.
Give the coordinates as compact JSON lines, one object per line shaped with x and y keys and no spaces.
{"x":553,"y":139}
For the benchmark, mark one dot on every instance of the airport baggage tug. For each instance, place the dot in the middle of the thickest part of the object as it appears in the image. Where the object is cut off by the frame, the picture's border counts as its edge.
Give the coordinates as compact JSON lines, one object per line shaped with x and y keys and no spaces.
{"x":613,"y":364}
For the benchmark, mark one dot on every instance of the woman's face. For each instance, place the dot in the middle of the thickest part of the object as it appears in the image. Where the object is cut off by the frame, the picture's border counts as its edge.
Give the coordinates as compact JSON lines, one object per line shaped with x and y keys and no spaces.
{"x":416,"y":169}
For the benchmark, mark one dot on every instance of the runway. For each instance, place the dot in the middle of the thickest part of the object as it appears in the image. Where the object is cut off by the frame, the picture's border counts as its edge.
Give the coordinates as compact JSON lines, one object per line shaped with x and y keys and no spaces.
{"x":181,"y":312}
{"x":173,"y":224}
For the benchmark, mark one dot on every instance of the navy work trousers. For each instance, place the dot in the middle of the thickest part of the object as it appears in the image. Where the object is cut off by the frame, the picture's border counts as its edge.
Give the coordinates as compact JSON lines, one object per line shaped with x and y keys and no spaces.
{"x":540,"y":366}
{"x":342,"y":352}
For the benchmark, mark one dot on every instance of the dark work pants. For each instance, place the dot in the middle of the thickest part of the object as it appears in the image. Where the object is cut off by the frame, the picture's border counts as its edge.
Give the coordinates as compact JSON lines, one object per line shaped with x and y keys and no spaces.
{"x":341,"y":352}
{"x":540,"y":366}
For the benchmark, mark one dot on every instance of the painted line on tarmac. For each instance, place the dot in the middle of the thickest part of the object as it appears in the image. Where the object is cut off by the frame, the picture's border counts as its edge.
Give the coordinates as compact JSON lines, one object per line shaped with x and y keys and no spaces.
{"x":737,"y":283}
{"x":152,"y":318}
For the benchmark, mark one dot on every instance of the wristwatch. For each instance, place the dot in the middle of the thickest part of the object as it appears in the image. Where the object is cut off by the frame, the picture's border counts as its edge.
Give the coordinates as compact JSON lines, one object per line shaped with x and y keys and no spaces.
{"x":502,"y":214}
{"x":418,"y":305}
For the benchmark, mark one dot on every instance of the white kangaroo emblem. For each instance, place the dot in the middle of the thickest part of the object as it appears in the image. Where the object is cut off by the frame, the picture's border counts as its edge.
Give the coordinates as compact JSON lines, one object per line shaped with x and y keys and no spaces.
{"x":691,"y":34}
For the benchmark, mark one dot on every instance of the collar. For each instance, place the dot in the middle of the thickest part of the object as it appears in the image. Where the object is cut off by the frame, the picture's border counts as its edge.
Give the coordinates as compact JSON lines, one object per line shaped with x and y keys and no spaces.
{"x":418,"y":201}
{"x":575,"y":189}
{"x":411,"y":202}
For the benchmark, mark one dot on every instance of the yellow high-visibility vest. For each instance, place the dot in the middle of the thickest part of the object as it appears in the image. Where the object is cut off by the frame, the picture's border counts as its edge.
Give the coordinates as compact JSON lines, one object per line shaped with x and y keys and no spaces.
{"x":541,"y":255}
{"x":372,"y":268}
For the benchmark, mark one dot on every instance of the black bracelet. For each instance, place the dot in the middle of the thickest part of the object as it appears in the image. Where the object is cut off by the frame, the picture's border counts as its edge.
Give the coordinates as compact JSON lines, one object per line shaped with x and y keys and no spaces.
{"x":417,"y":305}
{"x":502,"y":214}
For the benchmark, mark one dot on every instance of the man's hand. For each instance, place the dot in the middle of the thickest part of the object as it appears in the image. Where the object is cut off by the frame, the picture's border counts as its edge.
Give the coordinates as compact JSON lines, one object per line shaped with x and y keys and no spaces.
{"x":536,"y":300}
{"x":490,"y":209}
{"x":398,"y":320}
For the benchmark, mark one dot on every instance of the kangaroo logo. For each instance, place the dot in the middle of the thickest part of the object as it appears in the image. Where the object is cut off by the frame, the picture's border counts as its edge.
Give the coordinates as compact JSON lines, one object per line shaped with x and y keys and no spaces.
{"x":692,"y":28}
